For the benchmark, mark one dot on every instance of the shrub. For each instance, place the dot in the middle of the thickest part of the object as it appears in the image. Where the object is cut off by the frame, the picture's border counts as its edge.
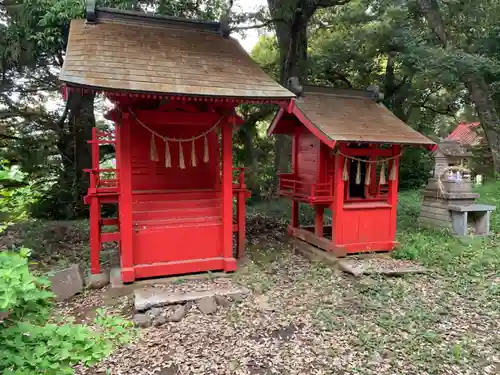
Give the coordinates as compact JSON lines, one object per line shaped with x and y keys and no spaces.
{"x":31,"y":344}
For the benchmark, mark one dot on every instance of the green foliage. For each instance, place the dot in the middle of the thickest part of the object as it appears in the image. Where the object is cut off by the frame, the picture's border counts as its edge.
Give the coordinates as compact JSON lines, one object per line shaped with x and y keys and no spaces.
{"x":415,"y":168}
{"x":266,"y":54}
{"x":33,"y":345}
{"x":16,"y":195}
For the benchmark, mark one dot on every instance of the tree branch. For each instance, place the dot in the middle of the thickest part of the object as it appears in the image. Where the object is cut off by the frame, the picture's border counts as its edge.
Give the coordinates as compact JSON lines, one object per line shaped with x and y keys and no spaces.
{"x":341,"y":77}
{"x":330,"y":3}
{"x":447,"y":112}
{"x":260,"y":25}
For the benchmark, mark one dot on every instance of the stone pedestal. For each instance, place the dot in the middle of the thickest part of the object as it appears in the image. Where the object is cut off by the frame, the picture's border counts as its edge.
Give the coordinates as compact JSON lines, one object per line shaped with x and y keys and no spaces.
{"x":435,"y":212}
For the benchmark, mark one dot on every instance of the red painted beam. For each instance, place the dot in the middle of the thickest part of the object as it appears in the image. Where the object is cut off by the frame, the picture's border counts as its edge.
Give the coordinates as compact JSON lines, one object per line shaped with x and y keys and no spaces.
{"x":387,"y":152}
{"x":110,"y":237}
{"x":109,"y":221}
{"x":177,"y":118}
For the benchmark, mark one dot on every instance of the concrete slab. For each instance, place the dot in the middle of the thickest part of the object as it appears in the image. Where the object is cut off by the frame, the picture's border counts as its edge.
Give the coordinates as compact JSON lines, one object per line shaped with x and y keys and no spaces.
{"x":313,"y":253}
{"x":145,"y":299}
{"x":116,"y":279}
{"x":371,"y":265}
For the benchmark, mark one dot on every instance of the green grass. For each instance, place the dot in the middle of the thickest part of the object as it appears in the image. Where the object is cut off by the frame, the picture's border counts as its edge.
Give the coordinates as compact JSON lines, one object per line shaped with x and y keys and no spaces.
{"x":473,"y":256}
{"x":443,"y":322}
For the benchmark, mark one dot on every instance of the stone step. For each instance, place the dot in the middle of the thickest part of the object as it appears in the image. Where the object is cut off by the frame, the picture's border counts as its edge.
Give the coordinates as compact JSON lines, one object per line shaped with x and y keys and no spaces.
{"x":145,"y":299}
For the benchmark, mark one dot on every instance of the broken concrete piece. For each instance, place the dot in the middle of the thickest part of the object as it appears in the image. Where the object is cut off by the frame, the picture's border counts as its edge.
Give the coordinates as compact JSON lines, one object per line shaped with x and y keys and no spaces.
{"x":222,"y":301}
{"x":207,"y":305}
{"x":160,"y":320}
{"x":379,"y":265}
{"x":142,"y":320}
{"x":348,"y":268}
{"x":237,"y":297}
{"x":145,"y":299}
{"x":178,"y":314}
{"x":98,"y":281}
{"x":67,"y":282}
{"x":154,"y":312}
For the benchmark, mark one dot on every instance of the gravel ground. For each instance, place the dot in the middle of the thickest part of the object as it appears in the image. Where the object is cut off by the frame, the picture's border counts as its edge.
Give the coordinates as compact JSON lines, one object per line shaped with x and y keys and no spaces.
{"x":304,"y":318}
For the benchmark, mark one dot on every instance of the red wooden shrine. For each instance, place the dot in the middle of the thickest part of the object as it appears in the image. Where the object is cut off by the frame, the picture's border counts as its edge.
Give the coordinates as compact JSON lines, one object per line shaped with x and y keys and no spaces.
{"x":345,"y":153}
{"x":174,"y":85}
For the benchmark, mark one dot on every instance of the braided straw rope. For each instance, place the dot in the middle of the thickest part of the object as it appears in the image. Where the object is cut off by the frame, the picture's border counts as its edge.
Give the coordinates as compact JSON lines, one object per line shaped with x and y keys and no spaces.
{"x":201,"y":135}
{"x":168,"y":157}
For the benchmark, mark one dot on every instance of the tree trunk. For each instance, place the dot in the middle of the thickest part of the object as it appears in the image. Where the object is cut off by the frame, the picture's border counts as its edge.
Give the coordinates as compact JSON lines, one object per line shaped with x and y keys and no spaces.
{"x":488,"y":116}
{"x":251,"y":163}
{"x":292,"y":43}
{"x":475,"y":83}
{"x":76,"y":156}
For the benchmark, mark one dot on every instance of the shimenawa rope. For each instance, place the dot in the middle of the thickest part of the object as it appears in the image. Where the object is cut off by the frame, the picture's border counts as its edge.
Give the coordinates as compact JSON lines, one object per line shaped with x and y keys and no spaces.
{"x":168,"y":158}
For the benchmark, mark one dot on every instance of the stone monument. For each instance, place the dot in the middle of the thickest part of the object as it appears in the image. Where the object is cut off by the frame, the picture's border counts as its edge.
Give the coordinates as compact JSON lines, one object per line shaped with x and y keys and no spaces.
{"x":451,"y":184}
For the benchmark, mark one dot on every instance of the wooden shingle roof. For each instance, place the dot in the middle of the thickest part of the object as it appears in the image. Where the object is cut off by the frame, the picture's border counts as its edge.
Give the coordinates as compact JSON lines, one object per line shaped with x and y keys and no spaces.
{"x":350,"y":116}
{"x":466,"y":134}
{"x":130,"y":51}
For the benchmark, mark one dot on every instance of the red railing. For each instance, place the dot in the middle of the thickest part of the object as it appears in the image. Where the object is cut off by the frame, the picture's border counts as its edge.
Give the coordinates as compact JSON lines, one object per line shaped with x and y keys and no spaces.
{"x":290,"y":185}
{"x":101,"y":178}
{"x":239,"y":178}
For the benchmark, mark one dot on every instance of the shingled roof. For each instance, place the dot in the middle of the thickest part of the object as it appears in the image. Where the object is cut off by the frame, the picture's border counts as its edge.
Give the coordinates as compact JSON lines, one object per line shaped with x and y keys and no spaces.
{"x":136,"y":52}
{"x":347,"y":115}
{"x":466,"y":134}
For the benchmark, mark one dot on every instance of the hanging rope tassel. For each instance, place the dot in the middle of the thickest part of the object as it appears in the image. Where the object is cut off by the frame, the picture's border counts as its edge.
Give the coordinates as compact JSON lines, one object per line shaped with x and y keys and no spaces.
{"x":345,"y":173}
{"x":382,"y":180}
{"x":368,"y":175}
{"x":168,"y":157}
{"x":392,"y":173}
{"x":182,"y":165}
{"x":193,"y":154}
{"x":205,"y":149}
{"x":358,"y":173}
{"x":153,"y":153}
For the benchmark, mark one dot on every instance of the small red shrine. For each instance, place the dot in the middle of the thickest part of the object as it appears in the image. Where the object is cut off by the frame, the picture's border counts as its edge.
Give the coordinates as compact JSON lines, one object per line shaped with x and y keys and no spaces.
{"x":174,"y":84}
{"x":345,"y":153}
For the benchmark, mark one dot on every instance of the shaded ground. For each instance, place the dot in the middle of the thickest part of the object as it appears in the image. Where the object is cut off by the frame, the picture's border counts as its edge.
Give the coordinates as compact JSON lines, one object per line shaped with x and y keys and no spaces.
{"x":318,"y":321}
{"x":304,"y":318}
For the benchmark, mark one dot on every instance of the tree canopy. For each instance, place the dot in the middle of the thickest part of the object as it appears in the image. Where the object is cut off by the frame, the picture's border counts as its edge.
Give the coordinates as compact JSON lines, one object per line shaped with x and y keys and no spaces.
{"x":435,"y":62}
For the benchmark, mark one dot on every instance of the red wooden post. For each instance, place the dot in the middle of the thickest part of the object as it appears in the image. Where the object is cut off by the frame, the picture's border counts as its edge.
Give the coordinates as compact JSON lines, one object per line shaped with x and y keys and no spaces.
{"x":393,"y":191}
{"x":227,"y":197}
{"x":241,"y":224}
{"x":318,"y":222}
{"x":295,"y":205}
{"x":95,"y":235}
{"x":337,"y":206}
{"x":125,"y":200}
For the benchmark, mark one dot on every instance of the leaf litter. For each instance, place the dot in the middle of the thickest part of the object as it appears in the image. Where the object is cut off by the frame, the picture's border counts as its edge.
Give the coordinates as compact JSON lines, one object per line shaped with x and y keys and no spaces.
{"x":305,"y":318}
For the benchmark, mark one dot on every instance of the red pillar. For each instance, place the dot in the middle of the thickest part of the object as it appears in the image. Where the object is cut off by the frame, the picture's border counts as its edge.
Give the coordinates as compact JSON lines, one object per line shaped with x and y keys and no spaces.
{"x":241,"y":224}
{"x":393,"y":191}
{"x":227,"y":197}
{"x":295,"y":205}
{"x":125,"y":201}
{"x":337,"y":206}
{"x":95,"y":235}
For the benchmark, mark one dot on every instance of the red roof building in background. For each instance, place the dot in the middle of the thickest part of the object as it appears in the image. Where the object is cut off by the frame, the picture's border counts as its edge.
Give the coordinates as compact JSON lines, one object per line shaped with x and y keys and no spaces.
{"x":466,"y":134}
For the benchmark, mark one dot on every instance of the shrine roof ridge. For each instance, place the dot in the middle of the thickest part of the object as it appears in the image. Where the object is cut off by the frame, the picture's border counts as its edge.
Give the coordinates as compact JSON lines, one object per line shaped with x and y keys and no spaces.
{"x":104,"y":14}
{"x":310,"y":89}
{"x":130,"y":52}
